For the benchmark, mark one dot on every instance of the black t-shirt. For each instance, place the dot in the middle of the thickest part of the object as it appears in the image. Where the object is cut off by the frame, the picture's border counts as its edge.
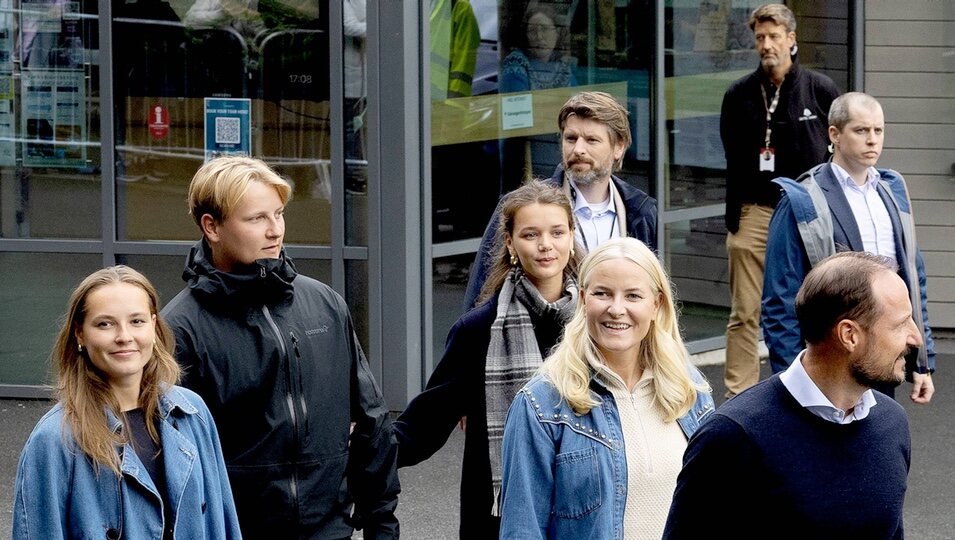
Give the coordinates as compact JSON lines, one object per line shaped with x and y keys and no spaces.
{"x":150,"y":453}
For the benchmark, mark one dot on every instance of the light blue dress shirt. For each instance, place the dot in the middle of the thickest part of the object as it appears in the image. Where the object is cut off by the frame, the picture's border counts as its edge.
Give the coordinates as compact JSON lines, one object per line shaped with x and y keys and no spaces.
{"x":797,"y":381}
{"x":872,"y":217}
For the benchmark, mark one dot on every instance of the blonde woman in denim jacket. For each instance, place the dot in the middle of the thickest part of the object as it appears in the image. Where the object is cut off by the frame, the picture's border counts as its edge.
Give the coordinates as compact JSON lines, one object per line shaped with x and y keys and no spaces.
{"x":125,"y":453}
{"x":594,"y":443}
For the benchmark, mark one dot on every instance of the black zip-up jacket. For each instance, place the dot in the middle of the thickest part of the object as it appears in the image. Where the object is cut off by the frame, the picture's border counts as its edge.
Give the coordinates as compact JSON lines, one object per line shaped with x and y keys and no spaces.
{"x":275,"y":357}
{"x":800,"y":134}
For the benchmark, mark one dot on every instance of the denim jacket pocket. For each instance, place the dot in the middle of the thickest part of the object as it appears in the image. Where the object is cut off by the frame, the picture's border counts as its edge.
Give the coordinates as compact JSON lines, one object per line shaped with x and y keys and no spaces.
{"x":576,"y":484}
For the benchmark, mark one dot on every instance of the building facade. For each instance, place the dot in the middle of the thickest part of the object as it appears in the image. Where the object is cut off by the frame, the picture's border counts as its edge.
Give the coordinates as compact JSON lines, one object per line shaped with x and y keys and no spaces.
{"x":400,"y":124}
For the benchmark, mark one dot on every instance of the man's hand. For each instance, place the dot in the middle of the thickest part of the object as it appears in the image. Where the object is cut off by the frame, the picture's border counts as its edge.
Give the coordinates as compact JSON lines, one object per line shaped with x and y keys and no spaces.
{"x":922,"y":388}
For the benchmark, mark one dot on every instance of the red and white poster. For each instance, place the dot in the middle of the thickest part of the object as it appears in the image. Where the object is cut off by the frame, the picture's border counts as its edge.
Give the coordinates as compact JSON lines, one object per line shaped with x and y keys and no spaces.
{"x":158,"y":122}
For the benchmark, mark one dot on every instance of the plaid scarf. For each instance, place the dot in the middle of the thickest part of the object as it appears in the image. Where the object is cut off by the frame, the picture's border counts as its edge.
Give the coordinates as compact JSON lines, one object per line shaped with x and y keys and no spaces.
{"x":513,"y":354}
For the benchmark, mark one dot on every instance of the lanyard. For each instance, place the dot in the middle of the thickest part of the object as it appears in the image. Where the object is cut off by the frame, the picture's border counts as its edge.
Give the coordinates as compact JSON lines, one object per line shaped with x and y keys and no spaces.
{"x":580,"y":226}
{"x":770,"y":109}
{"x":583,"y":236}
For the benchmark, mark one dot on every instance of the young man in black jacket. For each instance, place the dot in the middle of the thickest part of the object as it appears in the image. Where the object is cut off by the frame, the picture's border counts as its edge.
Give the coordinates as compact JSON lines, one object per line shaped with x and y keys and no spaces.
{"x":275,"y":356}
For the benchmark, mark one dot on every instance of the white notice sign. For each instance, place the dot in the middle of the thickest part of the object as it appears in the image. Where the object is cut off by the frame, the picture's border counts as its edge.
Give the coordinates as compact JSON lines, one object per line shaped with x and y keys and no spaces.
{"x":517,"y":112}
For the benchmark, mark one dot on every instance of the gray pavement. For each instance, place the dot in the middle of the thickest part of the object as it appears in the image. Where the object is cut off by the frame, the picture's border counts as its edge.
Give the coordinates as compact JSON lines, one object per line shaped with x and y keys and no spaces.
{"x":428,"y":507}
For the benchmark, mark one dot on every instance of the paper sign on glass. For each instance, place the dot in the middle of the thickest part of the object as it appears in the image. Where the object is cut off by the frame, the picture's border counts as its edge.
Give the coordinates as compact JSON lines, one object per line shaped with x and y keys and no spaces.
{"x":517,"y":112}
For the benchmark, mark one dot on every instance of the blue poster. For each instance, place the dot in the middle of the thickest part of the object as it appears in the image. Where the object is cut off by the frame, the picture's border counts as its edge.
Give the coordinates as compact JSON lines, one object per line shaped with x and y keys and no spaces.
{"x":228,"y":129}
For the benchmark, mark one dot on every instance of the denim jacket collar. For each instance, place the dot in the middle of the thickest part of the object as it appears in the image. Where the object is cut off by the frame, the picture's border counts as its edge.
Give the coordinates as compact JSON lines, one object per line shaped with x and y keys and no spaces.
{"x":168,"y":401}
{"x":179,"y":453}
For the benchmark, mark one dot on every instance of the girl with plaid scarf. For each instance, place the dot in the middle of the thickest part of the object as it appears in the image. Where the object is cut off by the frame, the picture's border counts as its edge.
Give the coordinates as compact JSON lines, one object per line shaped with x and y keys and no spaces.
{"x":493,"y":349}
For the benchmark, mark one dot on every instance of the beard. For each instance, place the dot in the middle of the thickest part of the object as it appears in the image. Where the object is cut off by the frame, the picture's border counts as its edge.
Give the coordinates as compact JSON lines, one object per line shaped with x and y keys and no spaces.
{"x":866,"y":370}
{"x":589,"y":177}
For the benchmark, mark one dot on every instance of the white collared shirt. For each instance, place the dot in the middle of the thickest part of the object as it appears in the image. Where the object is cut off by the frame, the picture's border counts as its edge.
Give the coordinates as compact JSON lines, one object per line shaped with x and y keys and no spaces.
{"x":797,"y":381}
{"x":596,"y":223}
{"x":872,"y":217}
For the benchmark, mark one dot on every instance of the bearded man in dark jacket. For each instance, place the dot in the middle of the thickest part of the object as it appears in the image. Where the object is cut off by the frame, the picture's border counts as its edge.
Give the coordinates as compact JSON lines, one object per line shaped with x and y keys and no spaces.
{"x":275,"y":356}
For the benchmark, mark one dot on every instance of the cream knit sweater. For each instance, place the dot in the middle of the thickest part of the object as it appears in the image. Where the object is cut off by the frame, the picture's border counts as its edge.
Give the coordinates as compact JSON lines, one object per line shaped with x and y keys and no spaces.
{"x":654,"y":456}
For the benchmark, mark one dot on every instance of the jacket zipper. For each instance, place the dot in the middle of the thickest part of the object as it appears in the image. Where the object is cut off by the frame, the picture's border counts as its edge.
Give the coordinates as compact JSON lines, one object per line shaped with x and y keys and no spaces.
{"x":301,"y":387}
{"x":289,"y":401}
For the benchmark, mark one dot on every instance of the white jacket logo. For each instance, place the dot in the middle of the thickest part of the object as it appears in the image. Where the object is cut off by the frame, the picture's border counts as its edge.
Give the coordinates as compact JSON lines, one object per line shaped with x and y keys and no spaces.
{"x":321,"y":330}
{"x":807,"y":115}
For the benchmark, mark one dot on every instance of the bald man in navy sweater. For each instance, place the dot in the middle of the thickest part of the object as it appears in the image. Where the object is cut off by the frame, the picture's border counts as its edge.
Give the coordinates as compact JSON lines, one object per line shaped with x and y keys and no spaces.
{"x":813,"y":452}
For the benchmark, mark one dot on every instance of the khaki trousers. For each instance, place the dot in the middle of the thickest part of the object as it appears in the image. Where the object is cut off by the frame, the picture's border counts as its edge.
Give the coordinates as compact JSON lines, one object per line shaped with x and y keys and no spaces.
{"x":746,"y":250}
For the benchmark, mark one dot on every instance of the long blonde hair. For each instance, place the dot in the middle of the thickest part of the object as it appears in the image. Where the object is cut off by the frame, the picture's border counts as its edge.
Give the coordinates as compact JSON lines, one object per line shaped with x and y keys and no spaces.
{"x":662,"y":350}
{"x":84,"y":390}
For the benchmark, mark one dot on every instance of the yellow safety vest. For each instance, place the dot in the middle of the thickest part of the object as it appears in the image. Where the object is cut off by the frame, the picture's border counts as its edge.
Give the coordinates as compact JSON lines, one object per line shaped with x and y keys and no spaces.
{"x":454,"y":41}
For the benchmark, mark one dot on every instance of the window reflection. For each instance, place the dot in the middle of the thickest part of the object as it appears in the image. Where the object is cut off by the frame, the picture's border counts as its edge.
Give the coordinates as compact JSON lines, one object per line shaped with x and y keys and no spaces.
{"x":696,"y":260}
{"x":49,"y":119}
{"x":528,"y":58}
{"x":355,"y":27}
{"x":708,"y":46}
{"x":202,"y":78}
{"x":35,"y":289}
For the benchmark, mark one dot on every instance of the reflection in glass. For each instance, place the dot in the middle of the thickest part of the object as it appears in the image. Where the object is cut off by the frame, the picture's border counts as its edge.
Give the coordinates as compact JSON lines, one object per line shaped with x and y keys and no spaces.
{"x":170,"y":59}
{"x":450,"y":277}
{"x":696,"y":260}
{"x":354,"y":22}
{"x":49,"y":120}
{"x":35,"y":289}
{"x":163,"y":271}
{"x":530,"y":57}
{"x":539,"y":59}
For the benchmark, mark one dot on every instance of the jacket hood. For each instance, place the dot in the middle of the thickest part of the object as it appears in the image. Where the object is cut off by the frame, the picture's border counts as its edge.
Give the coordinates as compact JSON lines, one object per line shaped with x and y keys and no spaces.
{"x":264,"y":282}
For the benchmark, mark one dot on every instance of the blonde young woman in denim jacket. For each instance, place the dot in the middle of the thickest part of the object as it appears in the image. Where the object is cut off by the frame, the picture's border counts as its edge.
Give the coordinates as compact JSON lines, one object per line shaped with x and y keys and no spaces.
{"x":593,"y":443}
{"x":125,"y":453}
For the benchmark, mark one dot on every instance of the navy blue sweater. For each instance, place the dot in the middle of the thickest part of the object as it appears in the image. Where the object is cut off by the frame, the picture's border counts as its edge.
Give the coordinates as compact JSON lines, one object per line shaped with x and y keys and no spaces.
{"x":765,"y":467}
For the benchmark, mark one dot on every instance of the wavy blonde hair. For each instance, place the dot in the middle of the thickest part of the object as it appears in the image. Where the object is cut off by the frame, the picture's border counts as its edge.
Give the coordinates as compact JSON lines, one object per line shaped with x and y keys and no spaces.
{"x":84,"y":390}
{"x":662,"y":350}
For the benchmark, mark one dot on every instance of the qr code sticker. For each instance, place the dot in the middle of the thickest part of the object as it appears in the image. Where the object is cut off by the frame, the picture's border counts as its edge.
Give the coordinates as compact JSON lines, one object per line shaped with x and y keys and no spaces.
{"x":227,"y":130}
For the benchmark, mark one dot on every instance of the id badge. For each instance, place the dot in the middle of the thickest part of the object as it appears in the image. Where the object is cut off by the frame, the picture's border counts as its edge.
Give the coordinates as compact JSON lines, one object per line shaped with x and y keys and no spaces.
{"x":767,"y":159}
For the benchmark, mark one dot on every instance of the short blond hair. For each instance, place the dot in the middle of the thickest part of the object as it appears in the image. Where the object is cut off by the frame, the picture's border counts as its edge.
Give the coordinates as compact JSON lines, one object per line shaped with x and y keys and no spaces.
{"x":220,"y":184}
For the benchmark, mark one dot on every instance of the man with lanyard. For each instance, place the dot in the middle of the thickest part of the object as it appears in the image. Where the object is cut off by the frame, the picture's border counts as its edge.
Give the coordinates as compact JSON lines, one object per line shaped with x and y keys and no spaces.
{"x":845,"y":205}
{"x":772,"y":123}
{"x":594,"y":135}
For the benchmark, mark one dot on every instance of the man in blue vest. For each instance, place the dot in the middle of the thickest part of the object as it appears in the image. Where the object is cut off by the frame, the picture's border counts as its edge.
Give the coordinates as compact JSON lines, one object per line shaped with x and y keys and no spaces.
{"x":844,"y":205}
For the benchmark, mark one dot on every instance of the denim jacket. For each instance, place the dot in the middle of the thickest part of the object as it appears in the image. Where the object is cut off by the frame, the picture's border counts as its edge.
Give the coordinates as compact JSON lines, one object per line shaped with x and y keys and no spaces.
{"x":564,"y":475}
{"x":60,"y":494}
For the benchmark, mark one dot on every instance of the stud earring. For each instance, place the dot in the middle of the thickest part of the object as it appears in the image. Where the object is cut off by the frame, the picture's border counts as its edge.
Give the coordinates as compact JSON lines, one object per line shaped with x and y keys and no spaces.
{"x":572,"y":252}
{"x":514,"y":260}
{"x":79,"y":347}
